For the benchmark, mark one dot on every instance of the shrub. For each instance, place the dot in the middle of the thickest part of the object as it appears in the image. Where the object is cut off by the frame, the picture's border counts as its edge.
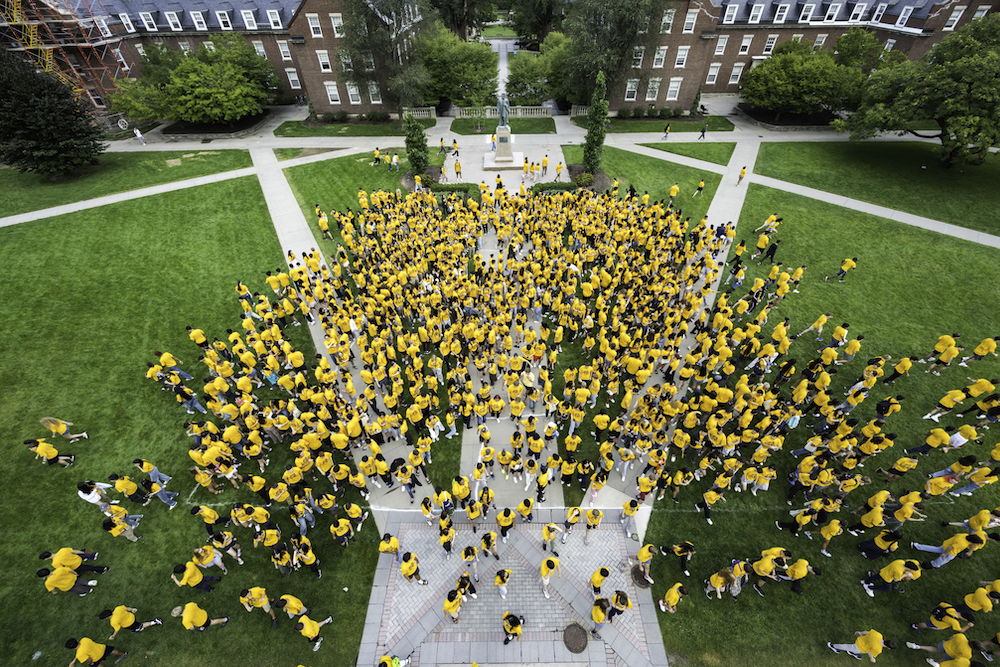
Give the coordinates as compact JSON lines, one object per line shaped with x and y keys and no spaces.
{"x":377,"y":117}
{"x":555,"y":186}
{"x":624,"y":113}
{"x":340,"y":116}
{"x":584,"y":180}
{"x":328,"y":117}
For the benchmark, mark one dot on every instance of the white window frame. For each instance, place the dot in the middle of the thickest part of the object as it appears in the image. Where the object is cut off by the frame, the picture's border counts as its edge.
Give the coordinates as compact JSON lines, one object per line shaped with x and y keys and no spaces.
{"x":737,"y":73}
{"x":831,"y":13}
{"x":769,"y":44}
{"x":659,"y":57}
{"x":632,"y":90}
{"x":690,"y":19}
{"x":96,"y":98}
{"x":286,"y":54}
{"x":667,"y":22}
{"x":713,"y":74}
{"x":369,"y":61}
{"x":198,"y":19}
{"x":332,"y":92}
{"x":981,"y":11}
{"x":904,"y":16}
{"x":638,"y":53}
{"x":121,"y":59}
{"x":148,"y":22}
{"x":184,"y":47}
{"x":127,"y":22}
{"x":889,"y":43}
{"x":102,"y":27}
{"x":258,"y":46}
{"x":353,"y":93}
{"x":174,"y":21}
{"x":345,"y":61}
{"x":730,"y":14}
{"x":324,"y":61}
{"x":820,"y":41}
{"x":755,"y":13}
{"x":374,"y":93}
{"x":807,"y":11}
{"x":249,"y":20}
{"x":674,"y":88}
{"x":745,"y":45}
{"x":293,"y":78}
{"x":224,"y":21}
{"x":780,"y":14}
{"x":879,"y":11}
{"x":209,"y":44}
{"x":337,"y":21}
{"x":720,"y":44}
{"x":315,"y":27}
{"x":140,"y":49}
{"x":682,"y":56}
{"x":798,"y":38}
{"x":858,"y":12}
{"x":653,"y":89}
{"x":274,"y":18}
{"x":956,"y":16}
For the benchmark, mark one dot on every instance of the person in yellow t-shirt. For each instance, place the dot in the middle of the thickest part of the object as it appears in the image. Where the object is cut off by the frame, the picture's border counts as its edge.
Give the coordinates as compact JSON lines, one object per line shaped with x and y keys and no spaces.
{"x":89,"y":652}
{"x":868,"y":642}
{"x":194,"y":617}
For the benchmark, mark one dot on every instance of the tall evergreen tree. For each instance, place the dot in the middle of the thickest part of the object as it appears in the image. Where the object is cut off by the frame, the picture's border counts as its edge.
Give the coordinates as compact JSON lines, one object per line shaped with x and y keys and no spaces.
{"x":597,"y":117}
{"x":416,"y":144}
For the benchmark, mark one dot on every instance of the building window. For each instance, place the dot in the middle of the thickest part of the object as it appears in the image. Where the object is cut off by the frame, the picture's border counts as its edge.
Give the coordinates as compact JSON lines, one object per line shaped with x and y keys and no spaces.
{"x":283,"y":49}
{"x":368,"y":60}
{"x":332,"y":92}
{"x":653,"y":89}
{"x":127,"y":22}
{"x":659,"y":57}
{"x":102,"y":26}
{"x":198,"y":18}
{"x":859,"y":11}
{"x":185,"y":47}
{"x":148,"y":21}
{"x":730,"y":13}
{"x":745,"y":44}
{"x":209,"y":45}
{"x":904,"y":16}
{"x":293,"y":78}
{"x":831,"y":13}
{"x":689,"y":21}
{"x":345,"y":61}
{"x":674,"y":89}
{"x":637,"y":54}
{"x":353,"y":94}
{"x":797,"y":38}
{"x":259,"y":48}
{"x":780,"y":13}
{"x":879,"y":11}
{"x":682,"y":56}
{"x":121,"y":59}
{"x":737,"y":73}
{"x":956,"y":14}
{"x":981,"y":11}
{"x":274,"y":17}
{"x":755,"y":13}
{"x":374,"y":93}
{"x":324,"y":61}
{"x":249,"y":20}
{"x":314,"y":26}
{"x":140,"y":50}
{"x":720,"y":44}
{"x":174,"y":21}
{"x":224,"y":21}
{"x":820,"y":41}
{"x":713,"y":74}
{"x":631,"y":90}
{"x":338,"y":24}
{"x":889,"y":43}
{"x":667,"y":22}
{"x":807,"y":12}
{"x":769,"y":44}
{"x":95,"y":97}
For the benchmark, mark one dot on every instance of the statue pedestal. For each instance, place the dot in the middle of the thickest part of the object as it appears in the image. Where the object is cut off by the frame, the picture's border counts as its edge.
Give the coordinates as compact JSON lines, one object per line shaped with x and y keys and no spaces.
{"x":504,"y":158}
{"x":504,"y":149}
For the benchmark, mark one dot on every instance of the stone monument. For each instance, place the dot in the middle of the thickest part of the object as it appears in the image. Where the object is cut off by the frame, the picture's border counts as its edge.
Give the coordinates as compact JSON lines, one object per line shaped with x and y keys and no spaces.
{"x":504,"y":157}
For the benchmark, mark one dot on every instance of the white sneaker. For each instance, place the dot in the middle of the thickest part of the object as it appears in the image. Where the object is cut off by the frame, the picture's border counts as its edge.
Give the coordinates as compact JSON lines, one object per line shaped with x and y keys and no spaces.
{"x":92,"y":582}
{"x":316,"y":645}
{"x":547,"y":596}
{"x":912,"y":645}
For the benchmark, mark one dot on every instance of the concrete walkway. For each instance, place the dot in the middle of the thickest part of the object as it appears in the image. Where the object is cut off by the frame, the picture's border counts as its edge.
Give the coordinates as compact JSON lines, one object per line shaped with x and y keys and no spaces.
{"x":404,"y":618}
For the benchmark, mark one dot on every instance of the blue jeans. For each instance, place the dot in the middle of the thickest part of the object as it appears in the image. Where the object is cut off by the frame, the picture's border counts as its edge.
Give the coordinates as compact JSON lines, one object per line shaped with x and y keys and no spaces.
{"x":193,"y":404}
{"x":180,"y":372}
{"x":158,"y":477}
{"x":167,"y":497}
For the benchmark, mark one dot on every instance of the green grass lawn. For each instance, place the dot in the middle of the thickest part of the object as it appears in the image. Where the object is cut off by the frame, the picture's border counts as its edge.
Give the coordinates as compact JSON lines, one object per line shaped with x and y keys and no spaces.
{"x":517,"y":126}
{"x":719,"y":153}
{"x":890,"y":299}
{"x":903,"y":176}
{"x":118,"y":172}
{"x":296,"y":128}
{"x":126,"y":280}
{"x":715,"y":124}
{"x":291,"y":153}
{"x":497,"y":31}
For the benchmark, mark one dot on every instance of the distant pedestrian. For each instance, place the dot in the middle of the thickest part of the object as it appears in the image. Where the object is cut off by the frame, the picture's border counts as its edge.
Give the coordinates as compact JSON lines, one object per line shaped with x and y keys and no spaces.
{"x":138,"y":135}
{"x":666,"y":131}
{"x":769,"y":253}
{"x":89,"y":652}
{"x":512,"y":627}
{"x":848,"y":264}
{"x":559,"y":168}
{"x":599,"y":614}
{"x":701,"y":189}
{"x":743,"y":172}
{"x":442,"y":149}
{"x":458,"y":170}
{"x":493,"y":140}
{"x":868,"y":643}
{"x":704,"y":129}
{"x":545,"y":165}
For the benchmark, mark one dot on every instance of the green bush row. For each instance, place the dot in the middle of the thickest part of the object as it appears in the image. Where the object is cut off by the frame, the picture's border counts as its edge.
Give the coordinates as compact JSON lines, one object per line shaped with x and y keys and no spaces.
{"x":626,"y":113}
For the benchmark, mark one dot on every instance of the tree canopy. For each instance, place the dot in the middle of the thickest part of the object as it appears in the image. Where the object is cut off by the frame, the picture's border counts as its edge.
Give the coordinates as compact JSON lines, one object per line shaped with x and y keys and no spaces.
{"x":43,"y":127}
{"x":459,"y":71}
{"x":416,"y":144}
{"x":527,"y":81}
{"x":956,"y":84}
{"x":535,"y":19}
{"x":218,"y":85}
{"x":460,"y":15}
{"x":597,"y":118}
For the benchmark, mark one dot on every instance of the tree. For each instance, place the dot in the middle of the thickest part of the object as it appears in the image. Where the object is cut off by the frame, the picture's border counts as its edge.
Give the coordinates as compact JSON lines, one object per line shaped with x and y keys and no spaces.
{"x":798,"y":81}
{"x":597,"y":117}
{"x":416,"y":144}
{"x":556,"y":51}
{"x":458,"y":71}
{"x":377,"y":50}
{"x":604,"y":34}
{"x":460,"y":15}
{"x":956,"y":84}
{"x":527,"y":82}
{"x":214,"y":85}
{"x":535,"y":19}
{"x":857,"y":48}
{"x":43,"y":127}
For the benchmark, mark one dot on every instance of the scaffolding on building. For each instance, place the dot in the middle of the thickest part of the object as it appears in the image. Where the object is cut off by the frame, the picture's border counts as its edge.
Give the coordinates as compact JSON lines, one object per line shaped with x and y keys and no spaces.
{"x":73,"y":41}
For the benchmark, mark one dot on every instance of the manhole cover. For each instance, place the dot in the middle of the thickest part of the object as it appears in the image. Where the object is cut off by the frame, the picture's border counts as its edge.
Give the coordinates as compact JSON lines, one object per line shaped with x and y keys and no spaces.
{"x":638,"y":578}
{"x":575,"y":638}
